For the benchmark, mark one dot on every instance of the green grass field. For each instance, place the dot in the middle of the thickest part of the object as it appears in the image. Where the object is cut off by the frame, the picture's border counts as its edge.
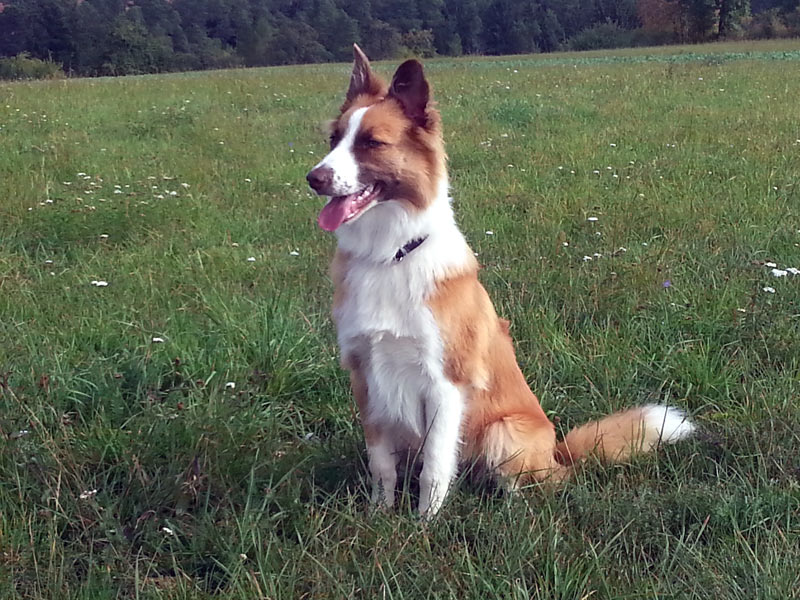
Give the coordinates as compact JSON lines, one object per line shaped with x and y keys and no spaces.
{"x":185,"y":431}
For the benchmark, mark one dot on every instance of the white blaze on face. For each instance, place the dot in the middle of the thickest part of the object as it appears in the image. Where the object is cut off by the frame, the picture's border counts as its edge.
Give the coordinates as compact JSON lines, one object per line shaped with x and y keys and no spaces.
{"x":342,"y":160}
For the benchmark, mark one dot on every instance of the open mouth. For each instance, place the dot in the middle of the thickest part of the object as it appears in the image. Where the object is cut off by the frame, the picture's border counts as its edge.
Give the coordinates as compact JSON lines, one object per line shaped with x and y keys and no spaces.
{"x":342,"y":209}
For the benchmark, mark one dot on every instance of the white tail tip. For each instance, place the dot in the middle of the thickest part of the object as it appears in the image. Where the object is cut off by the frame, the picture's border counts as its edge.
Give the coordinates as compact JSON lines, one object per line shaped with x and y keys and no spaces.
{"x":672,"y":424}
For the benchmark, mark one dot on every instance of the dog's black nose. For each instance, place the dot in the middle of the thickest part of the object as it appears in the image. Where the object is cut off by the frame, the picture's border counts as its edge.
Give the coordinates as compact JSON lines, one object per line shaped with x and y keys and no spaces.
{"x":320,"y":179}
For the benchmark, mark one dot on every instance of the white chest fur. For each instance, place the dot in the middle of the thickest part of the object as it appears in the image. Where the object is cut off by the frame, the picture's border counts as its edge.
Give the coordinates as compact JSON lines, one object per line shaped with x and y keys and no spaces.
{"x":386,"y":323}
{"x":384,"y":318}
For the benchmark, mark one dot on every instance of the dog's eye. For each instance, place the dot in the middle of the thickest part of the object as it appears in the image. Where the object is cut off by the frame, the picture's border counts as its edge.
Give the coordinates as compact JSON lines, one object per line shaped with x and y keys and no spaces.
{"x":373,"y":143}
{"x":334,"y":139}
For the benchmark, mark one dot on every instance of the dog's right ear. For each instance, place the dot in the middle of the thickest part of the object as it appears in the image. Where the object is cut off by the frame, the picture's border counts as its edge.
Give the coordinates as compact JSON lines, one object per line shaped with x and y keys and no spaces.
{"x":362,"y":79}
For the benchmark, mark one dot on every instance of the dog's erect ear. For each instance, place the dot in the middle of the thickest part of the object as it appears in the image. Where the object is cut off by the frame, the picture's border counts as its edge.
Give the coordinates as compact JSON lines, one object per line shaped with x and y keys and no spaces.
{"x":362,"y":80}
{"x":411,"y":89}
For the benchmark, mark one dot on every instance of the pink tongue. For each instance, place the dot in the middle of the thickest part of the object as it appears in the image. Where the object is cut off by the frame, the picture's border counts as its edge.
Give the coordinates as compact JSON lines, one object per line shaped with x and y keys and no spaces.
{"x":334,"y":212}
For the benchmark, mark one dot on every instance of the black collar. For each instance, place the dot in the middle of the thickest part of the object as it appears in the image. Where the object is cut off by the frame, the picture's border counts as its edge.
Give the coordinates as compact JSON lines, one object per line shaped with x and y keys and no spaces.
{"x":408,"y":248}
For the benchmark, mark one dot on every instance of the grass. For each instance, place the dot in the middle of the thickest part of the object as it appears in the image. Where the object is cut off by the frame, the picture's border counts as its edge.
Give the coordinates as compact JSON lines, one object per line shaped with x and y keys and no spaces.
{"x":131,"y":468}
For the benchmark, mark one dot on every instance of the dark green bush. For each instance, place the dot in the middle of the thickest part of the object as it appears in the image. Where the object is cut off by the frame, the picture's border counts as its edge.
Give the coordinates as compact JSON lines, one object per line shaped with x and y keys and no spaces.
{"x":23,"y":66}
{"x":610,"y":35}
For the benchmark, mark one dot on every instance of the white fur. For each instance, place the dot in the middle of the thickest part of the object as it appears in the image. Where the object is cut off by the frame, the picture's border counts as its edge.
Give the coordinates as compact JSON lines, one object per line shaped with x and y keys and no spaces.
{"x":385,"y":321}
{"x":342,"y":161}
{"x":672,"y":424}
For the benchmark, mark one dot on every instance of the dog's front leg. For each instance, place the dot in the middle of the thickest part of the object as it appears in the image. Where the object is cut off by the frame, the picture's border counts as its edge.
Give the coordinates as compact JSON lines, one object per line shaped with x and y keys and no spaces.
{"x":443,"y":409}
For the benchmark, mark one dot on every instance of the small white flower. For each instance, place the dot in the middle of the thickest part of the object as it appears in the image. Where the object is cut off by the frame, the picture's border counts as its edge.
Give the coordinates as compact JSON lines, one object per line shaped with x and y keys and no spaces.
{"x":103,"y":236}
{"x":793,"y":271}
{"x":622,"y":249}
{"x":231,"y":385}
{"x":251,"y":259}
{"x":598,"y":233}
{"x":294,"y":253}
{"x":167,"y":530}
{"x":779,"y":273}
{"x":587,"y":258}
{"x":81,"y":174}
{"x":173,"y":193}
{"x":185,"y":185}
{"x":769,"y":290}
{"x":235,"y":244}
{"x":645,"y":244}
{"x":592,"y":219}
{"x":85,"y":495}
{"x":48,"y":262}
{"x":596,"y":172}
{"x":565,"y":244}
{"x":158,"y":340}
{"x":771,"y":265}
{"x":741,"y":310}
{"x":597,"y":255}
{"x":489,"y":232}
{"x":613,"y":145}
{"x":248,"y":180}
{"x":99,"y":283}
{"x":243,"y":556}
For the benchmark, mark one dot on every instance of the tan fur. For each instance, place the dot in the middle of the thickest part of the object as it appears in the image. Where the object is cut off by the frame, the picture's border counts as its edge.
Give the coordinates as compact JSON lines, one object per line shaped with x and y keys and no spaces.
{"x":504,"y":425}
{"x":613,"y":438}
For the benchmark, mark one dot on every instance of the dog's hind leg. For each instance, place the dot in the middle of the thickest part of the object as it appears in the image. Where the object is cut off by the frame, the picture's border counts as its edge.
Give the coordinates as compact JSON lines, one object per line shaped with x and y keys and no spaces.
{"x":520,"y":449}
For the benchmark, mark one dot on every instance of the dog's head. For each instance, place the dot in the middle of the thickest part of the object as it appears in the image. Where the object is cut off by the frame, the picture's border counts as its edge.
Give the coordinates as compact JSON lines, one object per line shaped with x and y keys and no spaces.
{"x":386,"y":146}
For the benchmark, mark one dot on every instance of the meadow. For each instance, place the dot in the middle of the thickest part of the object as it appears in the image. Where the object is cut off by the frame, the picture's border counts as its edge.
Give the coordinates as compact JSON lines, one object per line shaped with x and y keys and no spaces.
{"x":173,"y":419}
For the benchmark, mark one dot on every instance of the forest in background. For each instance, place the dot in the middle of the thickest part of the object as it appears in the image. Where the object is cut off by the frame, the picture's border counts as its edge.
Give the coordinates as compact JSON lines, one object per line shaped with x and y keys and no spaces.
{"x":121,"y":37}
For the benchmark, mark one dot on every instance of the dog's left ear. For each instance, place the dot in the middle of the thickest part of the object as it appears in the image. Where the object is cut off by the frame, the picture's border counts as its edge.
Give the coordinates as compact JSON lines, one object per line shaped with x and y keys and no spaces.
{"x":410,"y":88}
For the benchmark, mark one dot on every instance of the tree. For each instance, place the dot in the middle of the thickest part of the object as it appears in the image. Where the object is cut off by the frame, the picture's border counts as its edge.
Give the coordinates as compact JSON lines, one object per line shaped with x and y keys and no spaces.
{"x":730,"y":14}
{"x":700,"y":17}
{"x":659,"y":16}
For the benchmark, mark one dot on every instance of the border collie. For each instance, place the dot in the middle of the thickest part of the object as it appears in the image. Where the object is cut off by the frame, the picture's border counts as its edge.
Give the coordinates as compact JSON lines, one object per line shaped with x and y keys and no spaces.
{"x":432,"y":366}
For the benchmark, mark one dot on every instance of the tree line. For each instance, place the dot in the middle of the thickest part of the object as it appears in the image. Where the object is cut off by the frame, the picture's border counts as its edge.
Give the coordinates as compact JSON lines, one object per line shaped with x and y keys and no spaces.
{"x":118,"y":37}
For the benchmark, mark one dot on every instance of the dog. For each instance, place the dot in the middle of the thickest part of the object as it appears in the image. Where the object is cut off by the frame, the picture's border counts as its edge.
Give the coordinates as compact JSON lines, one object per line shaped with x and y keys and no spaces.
{"x":432,"y":366}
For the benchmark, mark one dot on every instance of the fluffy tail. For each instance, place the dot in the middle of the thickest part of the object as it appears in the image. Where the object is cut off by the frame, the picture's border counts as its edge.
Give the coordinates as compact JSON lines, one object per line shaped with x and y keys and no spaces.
{"x":623,"y":434}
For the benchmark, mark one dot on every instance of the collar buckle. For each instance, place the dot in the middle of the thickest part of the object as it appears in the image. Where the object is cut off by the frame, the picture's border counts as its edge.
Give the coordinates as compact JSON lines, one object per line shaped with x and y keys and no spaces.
{"x":408,"y":248}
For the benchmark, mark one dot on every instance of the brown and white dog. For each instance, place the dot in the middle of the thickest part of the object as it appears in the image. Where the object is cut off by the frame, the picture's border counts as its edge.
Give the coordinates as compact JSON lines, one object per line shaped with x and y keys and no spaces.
{"x":432,"y":367}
